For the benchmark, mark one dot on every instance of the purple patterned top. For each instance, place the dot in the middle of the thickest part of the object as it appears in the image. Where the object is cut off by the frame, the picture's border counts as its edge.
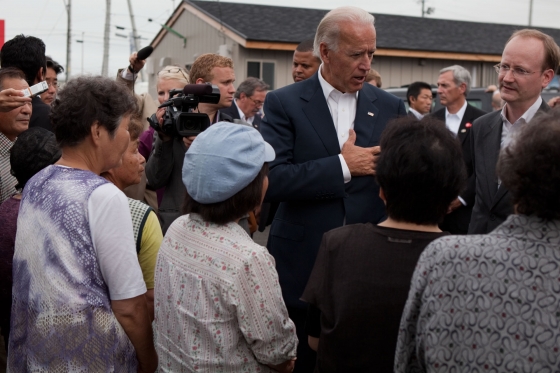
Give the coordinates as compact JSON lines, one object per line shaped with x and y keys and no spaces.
{"x":61,"y":313}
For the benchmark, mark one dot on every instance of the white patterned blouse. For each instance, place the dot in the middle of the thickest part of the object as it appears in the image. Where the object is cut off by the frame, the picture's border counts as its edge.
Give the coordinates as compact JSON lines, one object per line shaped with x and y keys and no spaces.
{"x":218,"y":303}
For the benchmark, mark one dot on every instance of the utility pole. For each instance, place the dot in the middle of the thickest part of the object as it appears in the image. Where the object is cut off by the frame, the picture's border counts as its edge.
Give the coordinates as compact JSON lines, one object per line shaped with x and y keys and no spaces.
{"x":105,"y":65}
{"x":68,"y":37}
{"x":425,"y":11}
{"x":530,"y":12}
{"x":134,"y":34}
{"x":82,"y":42}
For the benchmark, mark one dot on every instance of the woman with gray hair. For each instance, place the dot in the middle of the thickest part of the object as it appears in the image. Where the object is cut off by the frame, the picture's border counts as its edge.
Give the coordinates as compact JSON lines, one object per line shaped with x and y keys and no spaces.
{"x":78,"y":291}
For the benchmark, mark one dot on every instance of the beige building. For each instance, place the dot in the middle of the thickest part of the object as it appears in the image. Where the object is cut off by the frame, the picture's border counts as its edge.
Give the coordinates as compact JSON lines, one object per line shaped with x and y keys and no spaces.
{"x":261,"y":39}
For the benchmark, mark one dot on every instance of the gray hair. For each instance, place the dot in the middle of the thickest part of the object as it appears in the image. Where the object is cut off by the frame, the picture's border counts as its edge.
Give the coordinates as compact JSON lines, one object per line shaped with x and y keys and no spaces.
{"x":460,"y":76}
{"x":249,"y":86}
{"x":328,"y":30}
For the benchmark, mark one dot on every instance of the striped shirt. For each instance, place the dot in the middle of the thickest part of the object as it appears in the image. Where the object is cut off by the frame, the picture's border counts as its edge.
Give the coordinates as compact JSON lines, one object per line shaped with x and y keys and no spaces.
{"x":7,"y":181}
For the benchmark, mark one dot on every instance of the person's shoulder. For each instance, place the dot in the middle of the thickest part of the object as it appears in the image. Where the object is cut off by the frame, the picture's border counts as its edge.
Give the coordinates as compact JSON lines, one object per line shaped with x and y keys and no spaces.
{"x":439,"y":114}
{"x":379,"y":93}
{"x":476,"y":112}
{"x":39,"y":105}
{"x":348,"y":233}
{"x":296,"y":89}
{"x":488,"y":117}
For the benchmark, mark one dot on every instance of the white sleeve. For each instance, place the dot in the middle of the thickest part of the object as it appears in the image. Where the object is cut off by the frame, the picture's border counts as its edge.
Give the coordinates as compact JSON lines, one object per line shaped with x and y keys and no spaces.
{"x":345,"y":170}
{"x":113,"y":240}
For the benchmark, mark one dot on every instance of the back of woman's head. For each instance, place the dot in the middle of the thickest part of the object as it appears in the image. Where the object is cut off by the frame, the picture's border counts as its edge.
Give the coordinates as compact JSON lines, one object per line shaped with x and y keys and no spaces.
{"x":530,"y":167}
{"x":177,"y":73}
{"x":86,"y":100}
{"x":420,"y":169}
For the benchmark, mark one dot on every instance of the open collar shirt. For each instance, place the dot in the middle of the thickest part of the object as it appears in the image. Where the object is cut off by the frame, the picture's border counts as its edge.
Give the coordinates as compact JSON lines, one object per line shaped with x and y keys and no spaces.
{"x":453,"y":121}
{"x":509,"y":129}
{"x":342,"y":107}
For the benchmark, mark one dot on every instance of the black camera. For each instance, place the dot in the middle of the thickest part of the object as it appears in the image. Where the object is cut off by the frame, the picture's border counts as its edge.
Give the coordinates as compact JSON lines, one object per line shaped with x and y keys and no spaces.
{"x":179,"y":119}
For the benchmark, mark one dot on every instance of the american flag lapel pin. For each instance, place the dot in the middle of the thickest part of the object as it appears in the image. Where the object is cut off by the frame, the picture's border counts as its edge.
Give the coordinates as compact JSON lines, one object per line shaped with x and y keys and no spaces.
{"x":370,"y":113}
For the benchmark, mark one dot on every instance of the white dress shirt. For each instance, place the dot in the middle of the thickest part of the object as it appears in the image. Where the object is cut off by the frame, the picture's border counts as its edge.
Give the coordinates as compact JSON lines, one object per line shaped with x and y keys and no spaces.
{"x":453,"y":121}
{"x":509,"y":129}
{"x":417,"y":114}
{"x":242,"y":114}
{"x":343,"y":112}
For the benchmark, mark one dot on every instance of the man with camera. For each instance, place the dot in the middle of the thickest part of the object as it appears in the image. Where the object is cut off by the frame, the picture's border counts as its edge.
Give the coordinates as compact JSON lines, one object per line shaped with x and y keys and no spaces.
{"x":164,"y":167}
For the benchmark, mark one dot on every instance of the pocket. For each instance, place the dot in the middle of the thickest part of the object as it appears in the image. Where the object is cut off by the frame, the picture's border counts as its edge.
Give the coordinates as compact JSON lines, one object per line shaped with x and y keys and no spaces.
{"x":287,"y":230}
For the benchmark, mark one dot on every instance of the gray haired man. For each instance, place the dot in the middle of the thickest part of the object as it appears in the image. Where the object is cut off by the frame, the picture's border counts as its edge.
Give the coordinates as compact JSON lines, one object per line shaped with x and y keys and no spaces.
{"x":248,"y":101}
{"x":454,"y":84}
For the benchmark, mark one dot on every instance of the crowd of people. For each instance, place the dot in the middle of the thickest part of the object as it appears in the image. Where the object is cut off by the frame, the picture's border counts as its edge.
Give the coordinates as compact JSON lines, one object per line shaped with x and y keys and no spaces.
{"x":400,"y":240}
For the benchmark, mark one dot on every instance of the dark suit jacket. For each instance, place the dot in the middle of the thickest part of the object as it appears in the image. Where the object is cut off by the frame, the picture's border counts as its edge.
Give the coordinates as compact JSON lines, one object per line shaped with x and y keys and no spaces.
{"x":458,"y":221}
{"x":233,"y":112}
{"x":493,"y":205}
{"x":40,"y":114}
{"x":306,"y":176}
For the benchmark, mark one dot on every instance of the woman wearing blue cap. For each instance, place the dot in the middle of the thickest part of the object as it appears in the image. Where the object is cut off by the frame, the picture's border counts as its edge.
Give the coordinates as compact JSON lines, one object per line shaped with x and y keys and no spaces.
{"x":219,"y":306}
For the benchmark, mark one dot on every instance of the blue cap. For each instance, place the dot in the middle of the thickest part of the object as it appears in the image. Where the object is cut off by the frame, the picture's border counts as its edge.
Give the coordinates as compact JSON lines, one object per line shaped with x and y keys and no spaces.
{"x":223,"y":160}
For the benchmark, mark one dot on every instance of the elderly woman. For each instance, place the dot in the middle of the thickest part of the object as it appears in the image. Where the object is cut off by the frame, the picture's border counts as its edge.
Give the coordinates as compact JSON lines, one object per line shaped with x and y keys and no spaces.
{"x":219,"y":307}
{"x":145,"y":225}
{"x":491,"y":302}
{"x":78,"y":293}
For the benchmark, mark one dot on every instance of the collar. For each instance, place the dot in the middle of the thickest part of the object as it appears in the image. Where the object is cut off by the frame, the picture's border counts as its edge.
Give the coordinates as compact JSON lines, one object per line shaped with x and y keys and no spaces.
{"x":460,"y":113}
{"x":241,"y":113}
{"x":328,"y":89}
{"x":5,"y":144}
{"x":527,"y":116}
{"x":416,"y":113}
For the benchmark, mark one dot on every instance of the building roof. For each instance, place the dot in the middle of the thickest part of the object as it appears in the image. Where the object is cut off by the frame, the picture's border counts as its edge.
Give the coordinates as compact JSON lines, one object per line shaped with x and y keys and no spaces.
{"x":277,"y":24}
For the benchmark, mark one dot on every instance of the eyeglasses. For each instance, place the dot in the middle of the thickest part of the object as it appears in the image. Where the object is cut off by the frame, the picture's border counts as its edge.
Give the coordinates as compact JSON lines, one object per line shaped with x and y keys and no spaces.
{"x":256,"y":102}
{"x":174,"y":71}
{"x":518,"y":72}
{"x":52,"y":84}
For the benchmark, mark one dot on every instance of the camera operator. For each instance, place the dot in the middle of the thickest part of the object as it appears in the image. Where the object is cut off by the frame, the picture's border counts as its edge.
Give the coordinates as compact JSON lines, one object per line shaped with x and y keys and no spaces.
{"x":164,"y":167}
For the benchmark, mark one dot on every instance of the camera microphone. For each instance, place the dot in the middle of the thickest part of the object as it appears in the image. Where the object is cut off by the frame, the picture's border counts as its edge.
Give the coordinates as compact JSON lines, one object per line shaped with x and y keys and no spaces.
{"x":197,"y":89}
{"x":144,"y":53}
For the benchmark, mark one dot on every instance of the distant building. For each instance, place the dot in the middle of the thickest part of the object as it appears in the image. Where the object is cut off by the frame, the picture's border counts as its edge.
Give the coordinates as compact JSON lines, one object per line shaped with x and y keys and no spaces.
{"x":261,"y":39}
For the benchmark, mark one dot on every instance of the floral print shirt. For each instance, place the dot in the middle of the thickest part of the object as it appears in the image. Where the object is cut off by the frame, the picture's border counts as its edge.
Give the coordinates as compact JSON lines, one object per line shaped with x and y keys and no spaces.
{"x":485,"y":303}
{"x":218,"y":304}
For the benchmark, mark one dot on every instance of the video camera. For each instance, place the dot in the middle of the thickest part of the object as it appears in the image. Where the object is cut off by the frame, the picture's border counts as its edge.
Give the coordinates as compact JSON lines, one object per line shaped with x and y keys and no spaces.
{"x":179,"y":118}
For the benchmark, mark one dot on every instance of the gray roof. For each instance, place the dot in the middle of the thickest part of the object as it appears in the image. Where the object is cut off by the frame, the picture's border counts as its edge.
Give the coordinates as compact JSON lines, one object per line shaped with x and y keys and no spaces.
{"x":293,"y":25}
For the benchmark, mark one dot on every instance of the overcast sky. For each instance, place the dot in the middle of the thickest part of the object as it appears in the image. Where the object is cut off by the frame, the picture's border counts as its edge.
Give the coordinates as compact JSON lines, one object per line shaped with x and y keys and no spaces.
{"x":47,"y":20}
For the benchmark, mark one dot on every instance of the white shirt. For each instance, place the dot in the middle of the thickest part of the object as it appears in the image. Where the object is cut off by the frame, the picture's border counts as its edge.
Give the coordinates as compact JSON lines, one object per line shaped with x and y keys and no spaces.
{"x":509,"y":129}
{"x":242,"y":114}
{"x":417,"y":114}
{"x":453,"y":121}
{"x":343,"y":112}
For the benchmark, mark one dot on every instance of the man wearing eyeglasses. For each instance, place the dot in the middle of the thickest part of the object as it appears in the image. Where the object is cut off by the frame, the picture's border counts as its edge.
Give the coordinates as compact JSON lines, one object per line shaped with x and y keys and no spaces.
{"x":248,"y":101}
{"x":529,"y":61}
{"x":454,"y":84}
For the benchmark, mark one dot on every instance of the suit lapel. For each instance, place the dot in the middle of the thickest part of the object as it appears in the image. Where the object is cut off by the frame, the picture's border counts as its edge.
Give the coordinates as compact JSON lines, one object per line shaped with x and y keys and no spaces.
{"x":463,"y":130}
{"x":502,"y":190}
{"x":319,"y":115}
{"x":364,"y":122}
{"x":491,"y":150}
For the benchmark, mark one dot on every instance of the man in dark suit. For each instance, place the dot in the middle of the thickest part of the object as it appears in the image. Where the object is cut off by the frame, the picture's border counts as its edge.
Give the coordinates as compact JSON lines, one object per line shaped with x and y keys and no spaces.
{"x":247,"y":101}
{"x":454,"y":83}
{"x":325,"y":131}
{"x":529,"y":61}
{"x":27,"y":53}
{"x":419,"y":97}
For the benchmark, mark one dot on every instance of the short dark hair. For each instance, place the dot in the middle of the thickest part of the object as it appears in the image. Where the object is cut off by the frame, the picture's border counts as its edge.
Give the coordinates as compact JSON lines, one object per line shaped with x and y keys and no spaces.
{"x":27,"y":53}
{"x":420,"y":169}
{"x":529,"y":167}
{"x":249,"y":86}
{"x":305,"y":46}
{"x":85,"y":100}
{"x":235,"y":207}
{"x":415,"y":88}
{"x":54,"y":65}
{"x":10,"y":73}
